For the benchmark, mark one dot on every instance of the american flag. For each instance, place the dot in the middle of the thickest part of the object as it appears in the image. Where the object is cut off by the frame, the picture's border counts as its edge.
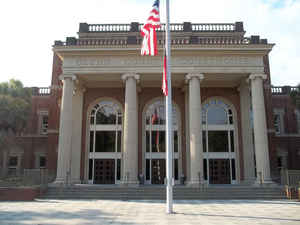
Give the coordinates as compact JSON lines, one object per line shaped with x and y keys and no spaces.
{"x":164,"y":78}
{"x":149,"y":46}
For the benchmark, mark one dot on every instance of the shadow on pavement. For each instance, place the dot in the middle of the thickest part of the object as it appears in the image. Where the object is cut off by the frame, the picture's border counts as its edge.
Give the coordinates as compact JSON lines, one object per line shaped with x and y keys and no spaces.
{"x":85,"y":216}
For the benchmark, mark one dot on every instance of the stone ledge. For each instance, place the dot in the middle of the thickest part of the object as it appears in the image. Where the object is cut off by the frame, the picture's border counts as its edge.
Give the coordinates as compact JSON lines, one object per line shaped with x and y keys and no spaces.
{"x":19,"y":193}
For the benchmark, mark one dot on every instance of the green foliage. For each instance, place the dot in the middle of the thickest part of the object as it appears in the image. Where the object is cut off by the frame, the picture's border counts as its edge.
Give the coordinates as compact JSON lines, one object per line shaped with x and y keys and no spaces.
{"x":15,"y":105}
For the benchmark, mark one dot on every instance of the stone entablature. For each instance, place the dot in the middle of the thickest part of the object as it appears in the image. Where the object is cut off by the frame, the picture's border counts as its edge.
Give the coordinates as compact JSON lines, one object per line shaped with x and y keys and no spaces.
{"x":119,"y":64}
{"x":180,"y":61}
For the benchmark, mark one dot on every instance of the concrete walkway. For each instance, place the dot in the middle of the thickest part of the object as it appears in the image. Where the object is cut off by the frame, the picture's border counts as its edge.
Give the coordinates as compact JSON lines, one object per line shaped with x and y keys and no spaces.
{"x":150,"y":212}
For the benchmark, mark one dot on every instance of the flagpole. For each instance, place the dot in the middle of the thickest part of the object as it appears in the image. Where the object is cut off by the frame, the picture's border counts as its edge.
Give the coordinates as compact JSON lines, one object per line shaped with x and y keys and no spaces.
{"x":169,"y":129}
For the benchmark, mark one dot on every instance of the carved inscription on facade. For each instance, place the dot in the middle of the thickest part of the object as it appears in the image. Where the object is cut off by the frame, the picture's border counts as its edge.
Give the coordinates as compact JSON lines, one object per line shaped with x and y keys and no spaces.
{"x":208,"y":61}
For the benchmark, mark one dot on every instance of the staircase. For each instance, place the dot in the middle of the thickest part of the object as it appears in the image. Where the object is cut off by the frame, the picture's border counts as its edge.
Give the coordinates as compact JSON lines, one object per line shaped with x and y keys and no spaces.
{"x":159,"y":192}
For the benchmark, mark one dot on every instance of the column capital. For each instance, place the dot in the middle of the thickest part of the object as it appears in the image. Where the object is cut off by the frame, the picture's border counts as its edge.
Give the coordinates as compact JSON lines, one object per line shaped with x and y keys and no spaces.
{"x":244,"y":84}
{"x":254,"y":76}
{"x":189,"y":76}
{"x":66,"y":76}
{"x":133,"y":75}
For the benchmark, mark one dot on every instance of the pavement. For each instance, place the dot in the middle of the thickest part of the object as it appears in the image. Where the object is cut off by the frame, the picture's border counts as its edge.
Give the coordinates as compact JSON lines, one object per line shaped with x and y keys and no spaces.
{"x":102,"y":212}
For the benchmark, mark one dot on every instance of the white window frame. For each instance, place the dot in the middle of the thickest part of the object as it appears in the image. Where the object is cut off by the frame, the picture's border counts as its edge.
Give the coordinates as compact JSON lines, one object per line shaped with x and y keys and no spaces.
{"x":161,"y":127}
{"x":106,"y":127}
{"x":38,"y":155}
{"x":280,"y":125}
{"x":18,"y":166}
{"x":43,"y":128}
{"x":225,"y":127}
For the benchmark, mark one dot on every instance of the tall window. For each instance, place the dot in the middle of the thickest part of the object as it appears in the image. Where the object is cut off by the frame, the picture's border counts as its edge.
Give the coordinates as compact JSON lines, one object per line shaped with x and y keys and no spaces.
{"x":105,"y":143}
{"x":278,"y":120}
{"x":13,"y":165}
{"x":218,"y":142}
{"x":277,"y":123}
{"x":43,"y":118}
{"x":156,"y":141}
{"x":298,"y":119}
{"x":42,"y":162}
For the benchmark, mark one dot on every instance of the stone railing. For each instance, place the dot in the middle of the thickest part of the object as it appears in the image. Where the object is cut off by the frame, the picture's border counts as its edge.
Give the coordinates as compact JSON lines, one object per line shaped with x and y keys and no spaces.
{"x":283,"y":90}
{"x":290,"y":177}
{"x":213,"y":27}
{"x":224,"y":41}
{"x":186,"y":27}
{"x":28,"y":177}
{"x":185,"y":33}
{"x":41,"y":91}
{"x":102,"y":42}
{"x":173,"y":27}
{"x":291,"y":180}
{"x":109,"y":27}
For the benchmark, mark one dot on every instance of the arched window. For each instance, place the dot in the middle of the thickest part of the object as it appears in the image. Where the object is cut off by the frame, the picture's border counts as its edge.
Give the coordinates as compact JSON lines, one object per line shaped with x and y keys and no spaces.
{"x":105,"y":143}
{"x":216,"y":112}
{"x":218,"y":142}
{"x":155,"y":134}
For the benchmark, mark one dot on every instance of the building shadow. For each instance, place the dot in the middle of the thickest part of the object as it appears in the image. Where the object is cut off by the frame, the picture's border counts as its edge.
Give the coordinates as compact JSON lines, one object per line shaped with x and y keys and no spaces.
{"x":87,"y":216}
{"x":256,"y":218}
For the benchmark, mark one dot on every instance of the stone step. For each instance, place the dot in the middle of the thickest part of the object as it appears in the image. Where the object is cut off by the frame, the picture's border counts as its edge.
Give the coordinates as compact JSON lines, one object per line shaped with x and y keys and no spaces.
{"x":148,"y":192}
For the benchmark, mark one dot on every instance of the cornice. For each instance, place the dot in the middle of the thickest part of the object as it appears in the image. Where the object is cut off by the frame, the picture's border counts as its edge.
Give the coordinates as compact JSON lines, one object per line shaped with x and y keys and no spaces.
{"x":240,"y":47}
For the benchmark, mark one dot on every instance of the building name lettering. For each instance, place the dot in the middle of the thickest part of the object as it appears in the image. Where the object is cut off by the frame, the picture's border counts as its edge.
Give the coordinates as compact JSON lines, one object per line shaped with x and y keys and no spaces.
{"x":157,"y":61}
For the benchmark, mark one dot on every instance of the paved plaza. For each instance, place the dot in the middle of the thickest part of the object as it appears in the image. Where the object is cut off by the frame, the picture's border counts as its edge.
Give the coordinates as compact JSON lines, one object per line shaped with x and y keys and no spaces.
{"x":150,"y":212}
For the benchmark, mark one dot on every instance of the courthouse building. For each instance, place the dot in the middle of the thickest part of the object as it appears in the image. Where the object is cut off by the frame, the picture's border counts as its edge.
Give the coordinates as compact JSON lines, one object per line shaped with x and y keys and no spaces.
{"x":102,"y":121}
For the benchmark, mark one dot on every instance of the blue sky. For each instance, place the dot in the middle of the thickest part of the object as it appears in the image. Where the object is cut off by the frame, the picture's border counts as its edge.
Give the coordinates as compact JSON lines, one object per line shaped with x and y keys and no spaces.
{"x":29,"y":29}
{"x":277,"y":4}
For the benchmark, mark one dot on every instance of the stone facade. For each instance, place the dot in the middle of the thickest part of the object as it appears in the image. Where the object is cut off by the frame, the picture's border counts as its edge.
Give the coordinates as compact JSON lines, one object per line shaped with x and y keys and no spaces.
{"x":212,"y":67}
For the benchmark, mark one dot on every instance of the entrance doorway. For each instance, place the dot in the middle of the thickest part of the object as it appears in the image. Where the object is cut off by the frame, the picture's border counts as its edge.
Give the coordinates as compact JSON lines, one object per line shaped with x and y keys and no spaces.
{"x":219,"y":142}
{"x":155,"y":143}
{"x":219,"y":171}
{"x":104,"y":171}
{"x":105,"y":141}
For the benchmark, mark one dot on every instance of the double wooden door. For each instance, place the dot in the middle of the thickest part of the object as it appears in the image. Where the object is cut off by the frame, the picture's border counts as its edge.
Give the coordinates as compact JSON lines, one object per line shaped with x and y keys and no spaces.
{"x":104,"y":171}
{"x":219,"y":171}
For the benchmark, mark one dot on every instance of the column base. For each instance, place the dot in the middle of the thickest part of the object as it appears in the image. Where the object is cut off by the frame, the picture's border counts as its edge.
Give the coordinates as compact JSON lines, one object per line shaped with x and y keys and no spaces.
{"x":75,"y":181}
{"x":265,"y":183}
{"x":62,"y":182}
{"x":130,"y":183}
{"x":59,"y":182}
{"x":249,"y":181}
{"x":195,"y":183}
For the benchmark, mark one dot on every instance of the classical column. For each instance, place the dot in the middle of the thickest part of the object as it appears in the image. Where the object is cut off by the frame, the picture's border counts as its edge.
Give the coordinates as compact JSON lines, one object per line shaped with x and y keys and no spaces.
{"x":77,"y":110}
{"x":187,"y":134}
{"x":260,"y":128}
{"x":195,"y":132}
{"x":65,"y":130}
{"x":130,"y":150}
{"x":248,"y":150}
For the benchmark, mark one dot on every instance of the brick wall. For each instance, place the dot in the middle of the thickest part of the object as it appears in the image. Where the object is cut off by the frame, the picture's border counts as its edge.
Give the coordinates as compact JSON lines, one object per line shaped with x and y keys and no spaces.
{"x":289,"y":140}
{"x":19,"y":194}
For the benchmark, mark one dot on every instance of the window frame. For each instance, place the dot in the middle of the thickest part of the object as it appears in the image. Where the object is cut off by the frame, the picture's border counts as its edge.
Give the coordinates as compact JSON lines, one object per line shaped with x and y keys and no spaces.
{"x":117,"y":127}
{"x":43,"y":128}
{"x":280,"y":125}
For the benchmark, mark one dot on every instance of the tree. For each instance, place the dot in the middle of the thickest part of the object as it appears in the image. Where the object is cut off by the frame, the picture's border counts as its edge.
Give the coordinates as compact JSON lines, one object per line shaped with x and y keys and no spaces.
{"x":15,"y":105}
{"x":295,"y":94}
